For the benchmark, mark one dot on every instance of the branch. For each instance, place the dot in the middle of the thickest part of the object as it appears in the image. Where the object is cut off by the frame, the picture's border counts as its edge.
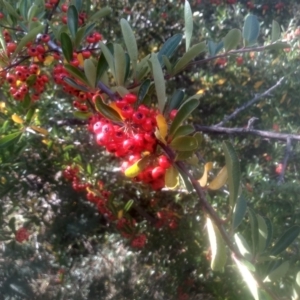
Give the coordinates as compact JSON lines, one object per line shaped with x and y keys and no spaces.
{"x":244,"y":131}
{"x":107,"y":91}
{"x":50,"y":16}
{"x":249,"y":103}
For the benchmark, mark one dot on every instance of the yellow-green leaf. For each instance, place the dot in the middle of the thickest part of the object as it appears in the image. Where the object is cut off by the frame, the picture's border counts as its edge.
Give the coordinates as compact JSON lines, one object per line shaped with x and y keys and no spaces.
{"x":184,"y":143}
{"x":106,"y":110}
{"x":171,"y":178}
{"x":219,"y":180}
{"x":17,"y":119}
{"x":137,"y":167}
{"x":162,"y":127}
{"x":217,"y":245}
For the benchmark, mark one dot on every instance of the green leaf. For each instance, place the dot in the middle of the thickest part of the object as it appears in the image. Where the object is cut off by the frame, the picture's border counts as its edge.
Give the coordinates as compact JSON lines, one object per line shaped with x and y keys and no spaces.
{"x":214,"y":48}
{"x":243,"y":246}
{"x":90,"y":72}
{"x":32,"y":12}
{"x":262,"y":234}
{"x":251,"y":30}
{"x":184,"y":130}
{"x":233,"y":167}
{"x":188,"y":24}
{"x":127,"y":66}
{"x":108,"y":57}
{"x":270,"y":232}
{"x":12,"y":11}
{"x":232,"y":39}
{"x":143,"y":90}
{"x":66,"y":45}
{"x":78,"y":4}
{"x":167,"y":63}
{"x":75,"y":85}
{"x":169,"y":47}
{"x":120,"y":64}
{"x":183,"y":113}
{"x":276,"y":32}
{"x":171,"y":177}
{"x":239,"y":211}
{"x":278,"y":46}
{"x":29,"y":115}
{"x":100,"y":14}
{"x":278,"y":273}
{"x":102,"y":65}
{"x":130,"y":43}
{"x":31,"y":35}
{"x":82,"y":115}
{"x":26,"y":102}
{"x":285,"y":240}
{"x":143,"y":67}
{"x":248,"y":278}
{"x":72,"y":15}
{"x":174,"y":102}
{"x":76,"y":73}
{"x":254,"y":229}
{"x":189,"y":56}
{"x":107,"y":111}
{"x":159,"y":82}
{"x":128,"y":205}
{"x":218,"y":247}
{"x":79,"y":36}
{"x":184,"y":143}
{"x":9,"y":139}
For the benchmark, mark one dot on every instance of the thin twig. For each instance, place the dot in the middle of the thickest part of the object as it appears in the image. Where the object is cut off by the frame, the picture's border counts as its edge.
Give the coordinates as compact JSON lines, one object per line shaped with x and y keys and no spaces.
{"x":249,"y":103}
{"x":50,"y":16}
{"x":285,"y":160}
{"x":107,"y":91}
{"x":12,"y":28}
{"x":244,"y":131}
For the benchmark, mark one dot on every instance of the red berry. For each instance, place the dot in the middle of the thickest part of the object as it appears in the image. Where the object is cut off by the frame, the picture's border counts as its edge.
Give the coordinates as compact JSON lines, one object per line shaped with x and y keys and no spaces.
{"x":130,"y":98}
{"x":64,"y":7}
{"x":22,"y":235}
{"x":164,"y":162}
{"x":173,"y":114}
{"x":158,"y":172}
{"x":11,"y":47}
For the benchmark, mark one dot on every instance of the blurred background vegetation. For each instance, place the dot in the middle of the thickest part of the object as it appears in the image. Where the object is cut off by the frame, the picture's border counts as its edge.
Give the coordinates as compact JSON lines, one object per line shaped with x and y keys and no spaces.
{"x":73,"y":252}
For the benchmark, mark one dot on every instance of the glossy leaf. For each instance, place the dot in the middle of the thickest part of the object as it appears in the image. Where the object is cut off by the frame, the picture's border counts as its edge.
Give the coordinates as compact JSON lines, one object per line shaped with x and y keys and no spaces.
{"x":79,"y":36}
{"x":184,"y":155}
{"x":175,"y":101}
{"x":184,"y":130}
{"x":128,"y":205}
{"x":233,"y":168}
{"x":137,"y":167}
{"x":189,"y":56}
{"x":162,"y":127}
{"x":106,"y":110}
{"x":72,"y":20}
{"x":214,"y":48}
{"x":120,"y":64}
{"x":90,"y":72}
{"x":103,"y":12}
{"x":66,"y":45}
{"x":75,"y":85}
{"x":76,"y":73}
{"x":17,"y":119}
{"x":82,"y":115}
{"x":102,"y":64}
{"x":12,"y":11}
{"x":251,"y":30}
{"x":243,"y":246}
{"x":278,"y":46}
{"x":108,"y":57}
{"x":159,"y":82}
{"x":30,"y":36}
{"x":183,"y":113}
{"x":239,"y":211}
{"x":143,"y":90}
{"x":262,"y":233}
{"x":276,"y":32}
{"x":10,"y":139}
{"x":184,"y":143}
{"x":232,"y":39}
{"x":278,"y":273}
{"x":130,"y":43}
{"x":171,"y":178}
{"x":169,"y":47}
{"x":285,"y":240}
{"x":203,"y":180}
{"x":188,"y":24}
{"x":220,"y":180}
{"x":254,"y":229}
{"x":218,"y":247}
{"x":248,"y":278}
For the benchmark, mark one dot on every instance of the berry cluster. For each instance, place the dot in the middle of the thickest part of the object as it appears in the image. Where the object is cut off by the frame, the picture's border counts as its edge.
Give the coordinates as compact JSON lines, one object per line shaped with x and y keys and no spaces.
{"x":71,"y":174}
{"x":22,"y":234}
{"x":166,"y":218}
{"x":133,"y":139}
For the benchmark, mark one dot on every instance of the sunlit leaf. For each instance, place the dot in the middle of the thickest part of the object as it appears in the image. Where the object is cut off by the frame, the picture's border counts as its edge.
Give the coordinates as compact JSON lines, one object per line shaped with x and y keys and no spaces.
{"x":184,"y":130}
{"x":137,"y":167}
{"x":239,"y":211}
{"x":217,"y":246}
{"x":188,"y":24}
{"x":219,"y":180}
{"x":203,"y":180}
{"x":9,"y":139}
{"x":184,"y":143}
{"x":162,"y":126}
{"x":243,"y":246}
{"x":171,"y":178}
{"x":39,"y":130}
{"x":232,"y":39}
{"x":17,"y":119}
{"x":278,"y":273}
{"x":276,"y":32}
{"x":106,"y":110}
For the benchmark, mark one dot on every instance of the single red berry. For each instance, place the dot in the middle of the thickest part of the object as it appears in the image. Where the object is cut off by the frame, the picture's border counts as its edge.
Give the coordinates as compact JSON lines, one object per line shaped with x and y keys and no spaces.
{"x":64,"y":7}
{"x":11,"y":47}
{"x":164,"y":162}
{"x":158,"y":172}
{"x":239,"y":61}
{"x":173,"y":114}
{"x":22,"y":235}
{"x":130,"y":98}
{"x":86,"y":54}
